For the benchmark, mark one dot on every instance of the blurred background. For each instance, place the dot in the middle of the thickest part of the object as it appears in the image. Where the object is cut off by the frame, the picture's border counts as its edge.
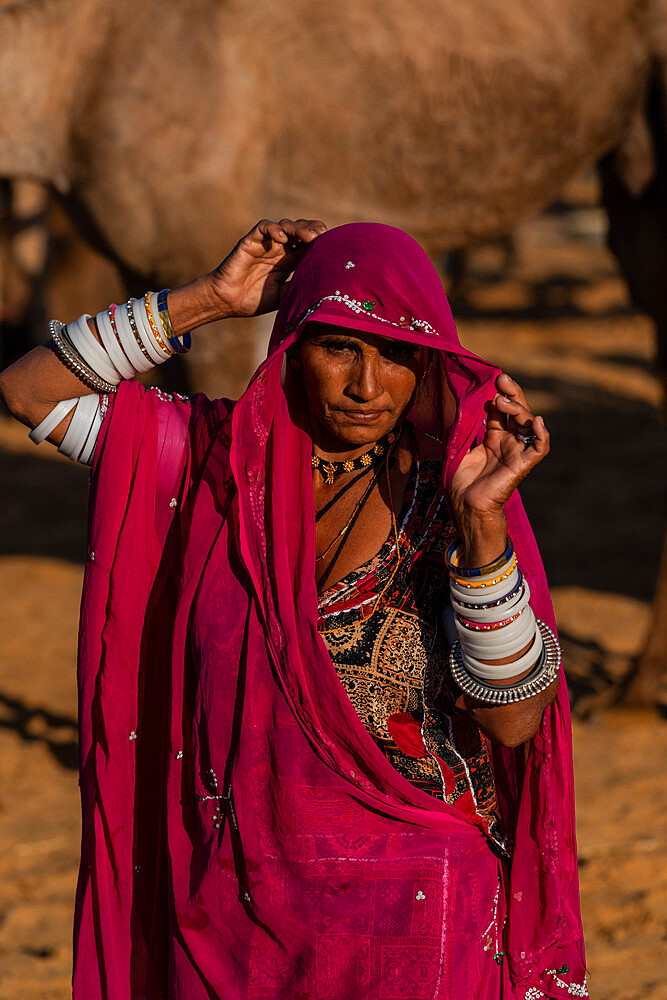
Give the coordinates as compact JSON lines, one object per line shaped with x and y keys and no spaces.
{"x":525,"y":148}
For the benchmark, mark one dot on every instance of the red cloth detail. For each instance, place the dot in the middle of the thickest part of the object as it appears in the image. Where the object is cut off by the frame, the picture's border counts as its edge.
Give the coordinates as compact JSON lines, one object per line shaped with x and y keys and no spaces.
{"x":405,"y":731}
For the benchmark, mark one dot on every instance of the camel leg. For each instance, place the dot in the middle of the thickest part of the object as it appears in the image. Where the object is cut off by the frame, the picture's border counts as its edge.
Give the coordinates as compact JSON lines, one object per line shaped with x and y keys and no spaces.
{"x":634,"y":190}
{"x":23,"y":256}
{"x":643,"y":684}
{"x":634,"y":193}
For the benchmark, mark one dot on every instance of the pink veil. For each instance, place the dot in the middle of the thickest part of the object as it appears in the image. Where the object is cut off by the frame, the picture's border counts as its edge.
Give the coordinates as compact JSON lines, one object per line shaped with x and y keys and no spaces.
{"x":242,"y":834}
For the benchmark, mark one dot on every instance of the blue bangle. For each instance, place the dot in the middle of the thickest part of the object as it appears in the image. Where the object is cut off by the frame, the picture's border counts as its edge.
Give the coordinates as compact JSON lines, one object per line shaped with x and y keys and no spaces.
{"x":488,"y":570}
{"x":179,"y":345}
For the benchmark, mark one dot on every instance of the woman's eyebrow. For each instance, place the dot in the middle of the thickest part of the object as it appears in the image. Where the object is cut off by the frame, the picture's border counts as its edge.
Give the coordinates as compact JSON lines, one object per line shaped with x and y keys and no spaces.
{"x":337,"y":338}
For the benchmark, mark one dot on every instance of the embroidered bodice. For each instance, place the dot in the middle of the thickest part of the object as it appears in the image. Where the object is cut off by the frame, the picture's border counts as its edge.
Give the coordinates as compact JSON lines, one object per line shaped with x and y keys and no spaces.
{"x":393,"y":662}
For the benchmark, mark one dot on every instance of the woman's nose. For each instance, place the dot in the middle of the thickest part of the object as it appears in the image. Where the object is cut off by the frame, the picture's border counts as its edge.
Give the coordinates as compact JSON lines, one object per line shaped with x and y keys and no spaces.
{"x":365,"y":383}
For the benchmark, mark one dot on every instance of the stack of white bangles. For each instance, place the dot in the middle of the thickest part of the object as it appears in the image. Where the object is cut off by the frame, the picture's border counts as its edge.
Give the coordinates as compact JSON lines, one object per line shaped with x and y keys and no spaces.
{"x":494,"y":620}
{"x":134,"y":338}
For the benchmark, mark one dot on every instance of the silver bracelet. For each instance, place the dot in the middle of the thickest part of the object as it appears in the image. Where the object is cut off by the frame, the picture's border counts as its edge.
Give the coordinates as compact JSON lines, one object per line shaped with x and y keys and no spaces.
{"x":70,"y":358}
{"x":539,"y":679}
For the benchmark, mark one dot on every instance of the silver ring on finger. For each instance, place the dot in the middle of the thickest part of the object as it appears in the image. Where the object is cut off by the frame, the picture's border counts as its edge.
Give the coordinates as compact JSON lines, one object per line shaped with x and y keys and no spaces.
{"x":527,"y":439}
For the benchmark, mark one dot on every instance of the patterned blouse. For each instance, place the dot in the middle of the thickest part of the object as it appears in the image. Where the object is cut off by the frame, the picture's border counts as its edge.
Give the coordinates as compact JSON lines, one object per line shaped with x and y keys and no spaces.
{"x":392,"y":661}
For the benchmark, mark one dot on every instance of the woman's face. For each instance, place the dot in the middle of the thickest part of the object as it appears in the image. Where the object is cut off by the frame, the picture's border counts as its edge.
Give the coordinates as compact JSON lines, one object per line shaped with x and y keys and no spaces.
{"x":357,"y":385}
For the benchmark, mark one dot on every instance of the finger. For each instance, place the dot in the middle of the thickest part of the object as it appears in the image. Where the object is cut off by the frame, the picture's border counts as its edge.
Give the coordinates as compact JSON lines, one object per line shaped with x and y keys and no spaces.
{"x":267,"y":230}
{"x":542,"y":443}
{"x":303,"y":230}
{"x":507,"y":414}
{"x":310,"y":227}
{"x":508,"y":387}
{"x":532,"y":444}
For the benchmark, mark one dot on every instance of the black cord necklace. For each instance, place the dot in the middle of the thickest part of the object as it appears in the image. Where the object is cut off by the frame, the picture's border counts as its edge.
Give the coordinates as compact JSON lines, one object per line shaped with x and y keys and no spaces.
{"x":330,"y":469}
{"x":352,"y":520}
{"x":341,"y":492}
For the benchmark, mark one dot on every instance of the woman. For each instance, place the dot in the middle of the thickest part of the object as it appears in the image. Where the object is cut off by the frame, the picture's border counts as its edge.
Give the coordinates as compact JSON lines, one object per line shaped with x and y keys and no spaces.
{"x":287,"y":789}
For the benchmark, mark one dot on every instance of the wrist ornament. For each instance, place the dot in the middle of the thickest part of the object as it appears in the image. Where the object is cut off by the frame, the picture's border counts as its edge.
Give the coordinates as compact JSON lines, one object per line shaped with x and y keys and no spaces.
{"x":463,"y":601}
{"x":75,"y":362}
{"x":456,"y":566}
{"x":153,"y":325}
{"x":489,"y":592}
{"x":494,"y":621}
{"x":486,"y":619}
{"x":130,"y":343}
{"x":179,"y":345}
{"x":483,"y":577}
{"x":542,"y":676}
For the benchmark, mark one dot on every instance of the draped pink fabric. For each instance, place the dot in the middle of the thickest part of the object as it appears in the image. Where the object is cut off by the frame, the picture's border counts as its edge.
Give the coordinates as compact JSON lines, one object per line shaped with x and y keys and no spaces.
{"x":243,"y":836}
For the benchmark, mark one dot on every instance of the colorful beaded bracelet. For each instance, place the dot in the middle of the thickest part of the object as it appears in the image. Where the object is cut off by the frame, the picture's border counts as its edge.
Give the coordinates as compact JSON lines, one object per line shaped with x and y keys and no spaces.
{"x":489,"y":626}
{"x":477,"y":584}
{"x":153,"y":325}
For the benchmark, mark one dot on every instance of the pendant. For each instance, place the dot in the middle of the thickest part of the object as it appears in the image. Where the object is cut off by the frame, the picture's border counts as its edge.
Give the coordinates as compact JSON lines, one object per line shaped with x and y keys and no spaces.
{"x":329,"y":472}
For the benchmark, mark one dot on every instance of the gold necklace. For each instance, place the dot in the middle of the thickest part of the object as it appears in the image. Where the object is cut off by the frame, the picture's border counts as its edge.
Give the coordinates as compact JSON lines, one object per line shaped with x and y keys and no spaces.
{"x":330,"y":469}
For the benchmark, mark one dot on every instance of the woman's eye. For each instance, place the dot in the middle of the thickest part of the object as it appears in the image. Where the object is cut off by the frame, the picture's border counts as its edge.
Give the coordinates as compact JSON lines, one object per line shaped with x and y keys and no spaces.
{"x":337,"y":345}
{"x":401,"y":352}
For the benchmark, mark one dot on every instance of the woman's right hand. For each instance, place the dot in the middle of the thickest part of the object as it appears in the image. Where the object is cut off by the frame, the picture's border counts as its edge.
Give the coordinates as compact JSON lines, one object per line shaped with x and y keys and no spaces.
{"x":251,"y":280}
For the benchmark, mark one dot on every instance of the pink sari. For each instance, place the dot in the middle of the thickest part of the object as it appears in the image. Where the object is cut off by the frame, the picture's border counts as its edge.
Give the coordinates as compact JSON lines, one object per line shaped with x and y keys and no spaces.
{"x":243,"y":836}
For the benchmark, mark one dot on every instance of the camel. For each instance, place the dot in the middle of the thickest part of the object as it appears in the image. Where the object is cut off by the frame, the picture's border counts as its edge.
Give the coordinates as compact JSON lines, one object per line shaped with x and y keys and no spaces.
{"x":164,"y":135}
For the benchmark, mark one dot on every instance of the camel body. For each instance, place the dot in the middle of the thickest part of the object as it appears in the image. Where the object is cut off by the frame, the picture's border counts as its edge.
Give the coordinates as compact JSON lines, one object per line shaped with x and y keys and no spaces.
{"x":167,"y":136}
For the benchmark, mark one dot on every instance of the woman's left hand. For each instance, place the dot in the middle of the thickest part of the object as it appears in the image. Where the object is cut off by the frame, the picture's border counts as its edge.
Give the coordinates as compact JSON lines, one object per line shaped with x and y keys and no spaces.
{"x":489,"y":473}
{"x":252,"y":279}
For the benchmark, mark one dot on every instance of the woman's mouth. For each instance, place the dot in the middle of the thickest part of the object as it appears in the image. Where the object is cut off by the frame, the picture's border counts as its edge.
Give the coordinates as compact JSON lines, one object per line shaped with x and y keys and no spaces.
{"x":363,"y":416}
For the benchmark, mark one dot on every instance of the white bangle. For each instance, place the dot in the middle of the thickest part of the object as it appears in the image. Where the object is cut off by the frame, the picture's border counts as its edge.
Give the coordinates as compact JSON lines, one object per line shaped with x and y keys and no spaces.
{"x":50,"y":422}
{"x":501,"y":638}
{"x":497,"y":603}
{"x":76,"y":434}
{"x":514,"y":637}
{"x":86,"y":455}
{"x":80,"y":426}
{"x":483,"y":615}
{"x":481,"y":644}
{"x":501,"y":671}
{"x":129,"y":305}
{"x":481,"y":595}
{"x":146,"y":334}
{"x":95,"y":356}
{"x":112,"y":346}
{"x":128,"y":343}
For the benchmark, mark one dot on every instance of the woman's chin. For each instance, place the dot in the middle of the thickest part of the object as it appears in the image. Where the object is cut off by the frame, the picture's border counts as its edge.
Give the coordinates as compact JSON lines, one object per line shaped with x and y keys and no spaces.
{"x":355,"y":434}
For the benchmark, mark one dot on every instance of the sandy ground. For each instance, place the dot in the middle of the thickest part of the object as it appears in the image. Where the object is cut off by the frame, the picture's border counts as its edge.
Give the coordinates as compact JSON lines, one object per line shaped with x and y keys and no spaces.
{"x":558,"y":320}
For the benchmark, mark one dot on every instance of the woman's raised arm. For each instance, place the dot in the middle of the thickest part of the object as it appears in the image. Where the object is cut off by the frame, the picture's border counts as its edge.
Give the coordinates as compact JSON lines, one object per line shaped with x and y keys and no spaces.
{"x":515,"y":442}
{"x":249,"y":281}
